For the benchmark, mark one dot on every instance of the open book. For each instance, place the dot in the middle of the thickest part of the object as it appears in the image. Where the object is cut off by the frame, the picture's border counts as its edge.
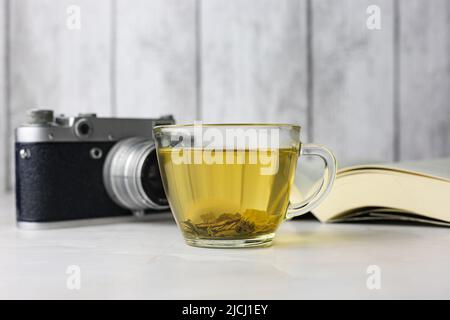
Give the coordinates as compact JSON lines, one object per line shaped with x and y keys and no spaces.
{"x":415,"y":191}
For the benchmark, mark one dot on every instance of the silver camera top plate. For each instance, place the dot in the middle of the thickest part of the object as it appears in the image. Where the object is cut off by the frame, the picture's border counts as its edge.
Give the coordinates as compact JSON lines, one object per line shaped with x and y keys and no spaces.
{"x":43,"y":127}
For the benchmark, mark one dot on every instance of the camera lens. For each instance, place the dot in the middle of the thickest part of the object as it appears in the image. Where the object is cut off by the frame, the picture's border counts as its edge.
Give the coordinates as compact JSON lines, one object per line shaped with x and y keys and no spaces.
{"x":131,"y":175}
{"x":151,"y":179}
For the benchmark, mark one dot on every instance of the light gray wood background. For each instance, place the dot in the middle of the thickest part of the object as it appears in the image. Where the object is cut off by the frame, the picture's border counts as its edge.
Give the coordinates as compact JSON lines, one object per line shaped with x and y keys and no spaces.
{"x":370,"y":95}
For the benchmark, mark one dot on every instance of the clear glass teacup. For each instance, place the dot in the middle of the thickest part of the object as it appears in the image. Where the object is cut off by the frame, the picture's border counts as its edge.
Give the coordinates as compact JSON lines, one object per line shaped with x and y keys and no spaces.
{"x":228,"y":185}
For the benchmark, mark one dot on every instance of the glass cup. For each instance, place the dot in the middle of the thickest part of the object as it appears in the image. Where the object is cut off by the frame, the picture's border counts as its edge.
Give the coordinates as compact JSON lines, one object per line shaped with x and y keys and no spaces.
{"x":228,"y":185}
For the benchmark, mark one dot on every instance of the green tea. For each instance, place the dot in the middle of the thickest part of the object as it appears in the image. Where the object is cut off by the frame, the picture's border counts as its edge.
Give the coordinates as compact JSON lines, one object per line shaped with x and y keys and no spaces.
{"x":232,"y":198}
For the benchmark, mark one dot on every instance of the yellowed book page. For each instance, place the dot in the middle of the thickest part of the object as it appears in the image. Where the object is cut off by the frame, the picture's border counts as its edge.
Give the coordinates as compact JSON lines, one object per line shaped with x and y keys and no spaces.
{"x":414,"y":193}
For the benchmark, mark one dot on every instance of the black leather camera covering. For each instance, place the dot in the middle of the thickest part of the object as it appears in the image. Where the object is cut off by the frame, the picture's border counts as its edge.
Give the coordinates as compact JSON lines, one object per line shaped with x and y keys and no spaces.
{"x":61,"y":181}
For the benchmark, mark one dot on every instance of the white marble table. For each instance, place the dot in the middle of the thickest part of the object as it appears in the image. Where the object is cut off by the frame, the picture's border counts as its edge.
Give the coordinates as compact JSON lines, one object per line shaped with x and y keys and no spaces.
{"x":149,"y":260}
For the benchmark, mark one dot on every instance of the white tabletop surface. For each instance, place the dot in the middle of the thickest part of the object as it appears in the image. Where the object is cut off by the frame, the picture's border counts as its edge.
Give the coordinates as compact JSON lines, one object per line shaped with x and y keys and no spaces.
{"x":149,"y":260}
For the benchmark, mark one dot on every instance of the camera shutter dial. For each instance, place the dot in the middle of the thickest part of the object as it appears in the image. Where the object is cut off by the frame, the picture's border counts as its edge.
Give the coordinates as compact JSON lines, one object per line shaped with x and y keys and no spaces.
{"x":39,"y":116}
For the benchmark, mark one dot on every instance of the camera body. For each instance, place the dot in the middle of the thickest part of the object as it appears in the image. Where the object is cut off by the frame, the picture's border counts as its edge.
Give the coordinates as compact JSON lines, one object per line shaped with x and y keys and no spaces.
{"x":73,"y":168}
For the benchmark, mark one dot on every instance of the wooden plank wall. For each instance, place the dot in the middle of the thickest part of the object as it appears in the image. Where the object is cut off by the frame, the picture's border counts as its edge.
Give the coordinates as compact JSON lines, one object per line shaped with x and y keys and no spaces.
{"x":4,"y":119}
{"x":371,"y":95}
{"x":252,"y":70}
{"x":156,"y":58}
{"x":424,"y":78}
{"x":353,"y":80}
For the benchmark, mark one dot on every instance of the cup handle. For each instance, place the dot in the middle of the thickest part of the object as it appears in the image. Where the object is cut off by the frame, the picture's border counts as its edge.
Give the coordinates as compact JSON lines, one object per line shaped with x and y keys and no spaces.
{"x":296,"y":209}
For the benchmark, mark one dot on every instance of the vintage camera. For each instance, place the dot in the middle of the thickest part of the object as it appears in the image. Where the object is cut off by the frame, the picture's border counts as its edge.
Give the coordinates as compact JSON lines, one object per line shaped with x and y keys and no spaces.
{"x":83,"y":168}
